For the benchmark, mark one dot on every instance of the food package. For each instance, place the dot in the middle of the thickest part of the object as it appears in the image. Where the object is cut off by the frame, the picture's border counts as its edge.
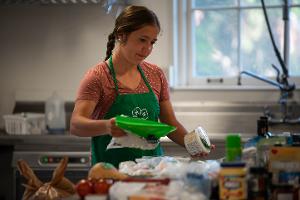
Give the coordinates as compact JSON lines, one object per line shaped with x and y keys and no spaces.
{"x":284,"y":163}
{"x":138,"y":191}
{"x":141,"y":133}
{"x":197,"y":141}
{"x":151,"y":191}
{"x":103,"y":170}
{"x":132,"y":141}
{"x":59,"y":187}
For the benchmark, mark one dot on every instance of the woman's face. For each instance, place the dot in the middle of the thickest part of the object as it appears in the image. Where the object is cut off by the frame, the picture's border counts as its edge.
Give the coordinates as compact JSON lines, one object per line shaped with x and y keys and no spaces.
{"x":139,"y":44}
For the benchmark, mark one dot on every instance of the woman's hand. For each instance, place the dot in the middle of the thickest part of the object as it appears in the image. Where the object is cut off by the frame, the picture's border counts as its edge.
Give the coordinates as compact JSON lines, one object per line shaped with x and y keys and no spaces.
{"x":113,"y":129}
{"x":203,"y":154}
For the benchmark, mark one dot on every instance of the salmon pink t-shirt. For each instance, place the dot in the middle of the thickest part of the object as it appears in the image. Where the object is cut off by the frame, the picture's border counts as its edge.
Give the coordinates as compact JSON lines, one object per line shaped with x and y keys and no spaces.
{"x":98,"y":85}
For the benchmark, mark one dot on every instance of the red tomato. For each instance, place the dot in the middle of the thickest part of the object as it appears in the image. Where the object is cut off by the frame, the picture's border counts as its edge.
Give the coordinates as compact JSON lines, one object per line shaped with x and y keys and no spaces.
{"x":102,"y":186}
{"x":84,"y":187}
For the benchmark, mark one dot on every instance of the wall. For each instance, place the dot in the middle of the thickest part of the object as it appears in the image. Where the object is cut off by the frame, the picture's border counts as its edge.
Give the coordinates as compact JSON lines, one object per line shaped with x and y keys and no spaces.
{"x":47,"y":48}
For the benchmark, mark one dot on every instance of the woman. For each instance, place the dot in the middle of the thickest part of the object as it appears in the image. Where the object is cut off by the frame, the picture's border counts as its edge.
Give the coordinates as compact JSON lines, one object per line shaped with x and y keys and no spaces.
{"x":124,"y":84}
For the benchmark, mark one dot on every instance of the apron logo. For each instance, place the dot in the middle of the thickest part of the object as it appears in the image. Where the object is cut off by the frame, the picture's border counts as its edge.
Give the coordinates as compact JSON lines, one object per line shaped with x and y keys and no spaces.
{"x":140,"y":113}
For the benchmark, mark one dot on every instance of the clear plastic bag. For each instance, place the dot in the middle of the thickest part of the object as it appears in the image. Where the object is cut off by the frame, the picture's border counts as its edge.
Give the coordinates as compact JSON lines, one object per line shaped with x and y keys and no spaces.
{"x":131,"y":141}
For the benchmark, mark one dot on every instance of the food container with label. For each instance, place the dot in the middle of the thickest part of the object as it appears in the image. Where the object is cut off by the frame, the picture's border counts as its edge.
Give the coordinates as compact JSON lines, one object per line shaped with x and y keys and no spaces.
{"x":197,"y":141}
{"x":232,"y":181}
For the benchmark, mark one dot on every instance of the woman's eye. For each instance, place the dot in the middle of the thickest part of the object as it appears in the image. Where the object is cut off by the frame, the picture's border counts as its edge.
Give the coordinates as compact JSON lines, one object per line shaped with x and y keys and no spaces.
{"x":142,"y":40}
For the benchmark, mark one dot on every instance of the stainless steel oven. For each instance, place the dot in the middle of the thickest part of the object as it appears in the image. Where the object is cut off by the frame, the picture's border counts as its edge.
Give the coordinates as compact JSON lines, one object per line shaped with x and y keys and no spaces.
{"x":44,"y":163}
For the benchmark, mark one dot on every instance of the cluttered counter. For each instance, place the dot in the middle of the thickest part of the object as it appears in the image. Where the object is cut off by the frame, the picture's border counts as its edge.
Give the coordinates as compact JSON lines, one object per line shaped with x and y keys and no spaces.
{"x":262,"y":166}
{"x":33,"y":148}
{"x":265,"y":168}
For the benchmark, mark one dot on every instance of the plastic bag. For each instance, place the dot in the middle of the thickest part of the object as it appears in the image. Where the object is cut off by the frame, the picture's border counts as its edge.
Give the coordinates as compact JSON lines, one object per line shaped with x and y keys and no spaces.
{"x":132,"y":141}
{"x":141,"y":133}
{"x":59,"y":187}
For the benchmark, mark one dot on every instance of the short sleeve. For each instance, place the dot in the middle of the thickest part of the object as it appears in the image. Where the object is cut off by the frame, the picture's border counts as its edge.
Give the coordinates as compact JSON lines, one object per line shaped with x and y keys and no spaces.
{"x":165,"y":92}
{"x":90,"y":86}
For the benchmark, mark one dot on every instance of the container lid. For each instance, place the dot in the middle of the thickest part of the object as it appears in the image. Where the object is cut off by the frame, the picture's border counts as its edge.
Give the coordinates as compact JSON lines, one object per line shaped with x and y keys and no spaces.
{"x":257,"y":170}
{"x":233,"y":141}
{"x":203,"y":137}
{"x":233,"y":164}
{"x":144,"y":128}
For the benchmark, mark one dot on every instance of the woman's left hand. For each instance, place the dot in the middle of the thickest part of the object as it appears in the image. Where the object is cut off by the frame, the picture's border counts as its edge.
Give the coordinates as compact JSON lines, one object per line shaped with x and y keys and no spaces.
{"x":203,"y":154}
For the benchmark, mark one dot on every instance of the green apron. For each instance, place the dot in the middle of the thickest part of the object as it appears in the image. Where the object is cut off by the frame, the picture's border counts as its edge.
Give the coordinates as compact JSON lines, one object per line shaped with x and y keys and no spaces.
{"x":144,"y":105}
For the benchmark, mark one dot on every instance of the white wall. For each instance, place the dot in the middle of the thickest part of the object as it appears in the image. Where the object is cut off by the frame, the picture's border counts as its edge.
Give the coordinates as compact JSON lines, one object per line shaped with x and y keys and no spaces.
{"x":47,"y":48}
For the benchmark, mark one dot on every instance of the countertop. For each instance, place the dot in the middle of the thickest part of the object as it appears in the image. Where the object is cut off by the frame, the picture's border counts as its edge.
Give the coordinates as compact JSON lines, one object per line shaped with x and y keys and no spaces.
{"x":45,"y":142}
{"x":68,"y":142}
{"x":6,"y":139}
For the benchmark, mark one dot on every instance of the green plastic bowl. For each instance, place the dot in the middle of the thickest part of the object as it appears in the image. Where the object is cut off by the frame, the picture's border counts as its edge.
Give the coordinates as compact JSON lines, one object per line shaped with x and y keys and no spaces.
{"x":144,"y":128}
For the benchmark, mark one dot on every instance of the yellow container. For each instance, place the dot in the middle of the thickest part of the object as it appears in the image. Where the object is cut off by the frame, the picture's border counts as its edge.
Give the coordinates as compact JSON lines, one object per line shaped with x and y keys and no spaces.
{"x":233,"y":181}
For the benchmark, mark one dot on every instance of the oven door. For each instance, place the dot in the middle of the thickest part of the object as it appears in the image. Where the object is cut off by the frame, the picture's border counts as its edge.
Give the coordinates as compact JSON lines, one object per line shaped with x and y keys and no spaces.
{"x":44,"y":163}
{"x":74,"y":175}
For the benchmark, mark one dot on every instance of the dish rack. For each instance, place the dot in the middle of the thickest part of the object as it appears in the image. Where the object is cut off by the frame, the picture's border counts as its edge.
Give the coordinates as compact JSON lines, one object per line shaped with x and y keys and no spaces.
{"x":25,"y":123}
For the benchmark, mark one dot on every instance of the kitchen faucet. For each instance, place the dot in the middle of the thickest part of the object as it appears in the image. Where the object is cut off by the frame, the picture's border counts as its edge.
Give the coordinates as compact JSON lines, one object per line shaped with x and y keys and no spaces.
{"x":286,"y":88}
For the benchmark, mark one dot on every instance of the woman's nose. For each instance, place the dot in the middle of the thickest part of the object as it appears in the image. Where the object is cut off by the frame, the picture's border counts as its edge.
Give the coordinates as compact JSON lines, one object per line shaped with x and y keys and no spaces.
{"x":147,"y":48}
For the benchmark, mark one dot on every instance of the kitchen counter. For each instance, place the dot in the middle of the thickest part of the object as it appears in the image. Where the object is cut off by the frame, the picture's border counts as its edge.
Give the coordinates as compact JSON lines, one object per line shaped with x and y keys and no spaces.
{"x":67,"y":142}
{"x":66,"y":138}
{"x":45,"y":142}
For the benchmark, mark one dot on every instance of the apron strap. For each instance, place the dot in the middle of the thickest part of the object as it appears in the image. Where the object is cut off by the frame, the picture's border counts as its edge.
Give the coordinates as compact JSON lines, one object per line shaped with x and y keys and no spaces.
{"x":111,"y":67}
{"x":145,"y":79}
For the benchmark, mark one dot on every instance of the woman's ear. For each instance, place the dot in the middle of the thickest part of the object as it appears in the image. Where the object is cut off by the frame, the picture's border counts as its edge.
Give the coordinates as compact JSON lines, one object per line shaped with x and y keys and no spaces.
{"x":122,"y":38}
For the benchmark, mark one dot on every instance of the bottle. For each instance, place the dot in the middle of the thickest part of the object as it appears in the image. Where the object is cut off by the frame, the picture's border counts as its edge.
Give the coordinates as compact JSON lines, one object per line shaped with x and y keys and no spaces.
{"x":233,"y":148}
{"x":258,"y":183}
{"x":263,"y":127}
{"x":55,"y":114}
{"x":262,"y":132}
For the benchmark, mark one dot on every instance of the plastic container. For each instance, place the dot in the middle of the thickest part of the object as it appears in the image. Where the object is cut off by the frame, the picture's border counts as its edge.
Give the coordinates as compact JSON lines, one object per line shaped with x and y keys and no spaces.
{"x":25,"y":123}
{"x":232,"y":181}
{"x":144,"y":128}
{"x":55,"y":114}
{"x":197,"y":141}
{"x":233,"y":148}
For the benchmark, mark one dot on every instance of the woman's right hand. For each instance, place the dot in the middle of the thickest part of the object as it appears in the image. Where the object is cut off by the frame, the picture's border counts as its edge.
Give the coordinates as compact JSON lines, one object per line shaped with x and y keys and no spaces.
{"x":114,"y":130}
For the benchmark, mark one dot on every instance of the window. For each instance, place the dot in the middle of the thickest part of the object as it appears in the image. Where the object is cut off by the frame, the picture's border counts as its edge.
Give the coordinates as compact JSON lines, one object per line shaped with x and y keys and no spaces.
{"x":214,"y":40}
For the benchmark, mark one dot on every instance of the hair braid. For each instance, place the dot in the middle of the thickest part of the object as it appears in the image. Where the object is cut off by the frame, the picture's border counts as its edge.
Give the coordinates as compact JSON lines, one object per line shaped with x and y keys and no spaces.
{"x":110,"y":45}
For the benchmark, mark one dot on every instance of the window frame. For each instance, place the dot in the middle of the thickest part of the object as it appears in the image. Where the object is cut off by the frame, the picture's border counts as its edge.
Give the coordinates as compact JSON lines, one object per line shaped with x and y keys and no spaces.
{"x":181,"y":74}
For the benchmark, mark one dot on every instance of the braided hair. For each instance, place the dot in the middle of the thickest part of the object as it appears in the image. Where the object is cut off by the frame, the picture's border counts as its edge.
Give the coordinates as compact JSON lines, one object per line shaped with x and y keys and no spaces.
{"x":131,"y":19}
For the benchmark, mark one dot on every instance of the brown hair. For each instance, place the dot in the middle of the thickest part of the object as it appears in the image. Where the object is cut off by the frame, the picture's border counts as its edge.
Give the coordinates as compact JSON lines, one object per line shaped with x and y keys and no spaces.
{"x":131,"y":19}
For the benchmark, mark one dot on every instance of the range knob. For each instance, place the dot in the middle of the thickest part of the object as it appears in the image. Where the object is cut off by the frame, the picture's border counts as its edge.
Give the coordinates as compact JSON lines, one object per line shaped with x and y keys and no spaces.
{"x":83,"y":160}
